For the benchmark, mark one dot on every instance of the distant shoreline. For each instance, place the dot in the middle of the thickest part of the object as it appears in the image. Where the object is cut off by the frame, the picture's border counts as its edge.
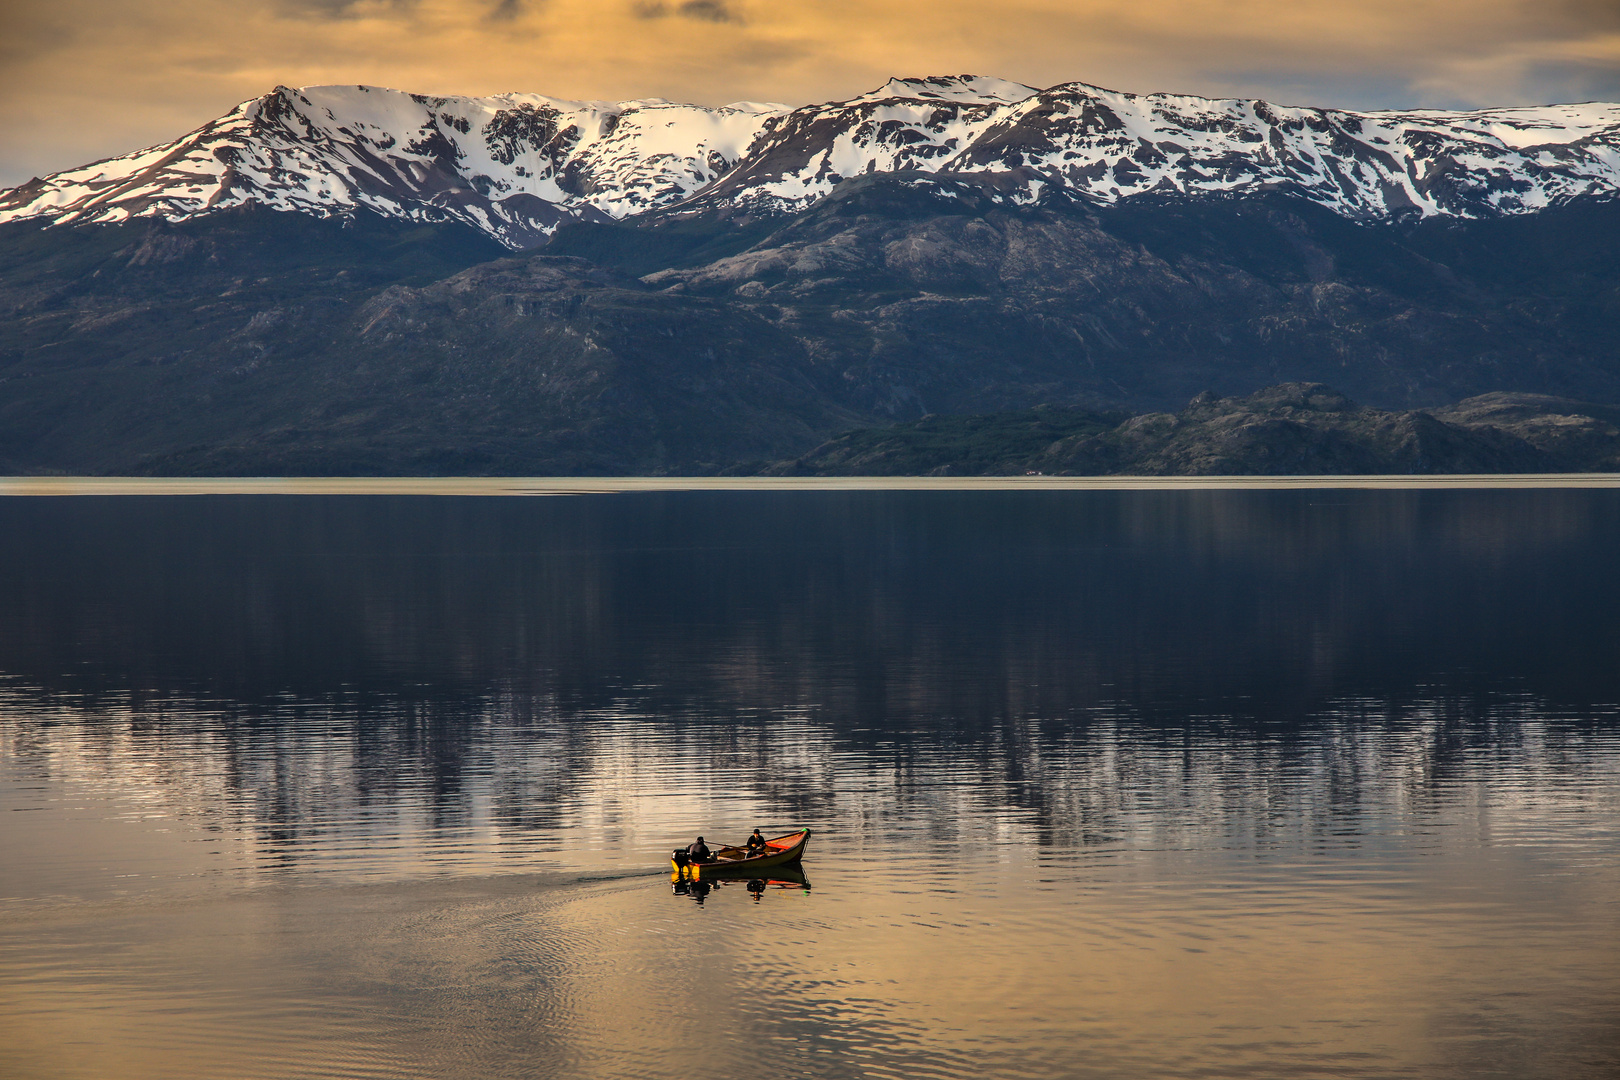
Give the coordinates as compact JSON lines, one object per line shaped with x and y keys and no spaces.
{"x":608,"y":485}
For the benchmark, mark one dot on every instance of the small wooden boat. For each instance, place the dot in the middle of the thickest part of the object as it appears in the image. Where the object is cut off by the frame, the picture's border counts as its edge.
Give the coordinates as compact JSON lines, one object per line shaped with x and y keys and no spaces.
{"x":737,"y":862}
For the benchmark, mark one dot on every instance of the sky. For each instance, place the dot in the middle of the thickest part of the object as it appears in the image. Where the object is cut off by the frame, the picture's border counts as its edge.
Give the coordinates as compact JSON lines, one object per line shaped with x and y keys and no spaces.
{"x":82,"y":80}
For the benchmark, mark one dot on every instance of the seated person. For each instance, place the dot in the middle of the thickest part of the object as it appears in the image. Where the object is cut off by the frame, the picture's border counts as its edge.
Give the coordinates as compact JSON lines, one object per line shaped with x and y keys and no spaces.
{"x":756,"y":844}
{"x":698,"y":852}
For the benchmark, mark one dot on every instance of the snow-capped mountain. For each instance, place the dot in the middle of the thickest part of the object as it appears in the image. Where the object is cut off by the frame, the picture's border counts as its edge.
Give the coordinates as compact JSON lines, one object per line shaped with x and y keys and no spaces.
{"x":512,"y":166}
{"x":516,"y":165}
{"x":1110,"y":146}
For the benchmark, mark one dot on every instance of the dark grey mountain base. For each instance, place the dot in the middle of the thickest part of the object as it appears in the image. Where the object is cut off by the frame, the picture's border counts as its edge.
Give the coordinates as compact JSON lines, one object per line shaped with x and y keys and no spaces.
{"x":256,"y":342}
{"x":1288,"y":430}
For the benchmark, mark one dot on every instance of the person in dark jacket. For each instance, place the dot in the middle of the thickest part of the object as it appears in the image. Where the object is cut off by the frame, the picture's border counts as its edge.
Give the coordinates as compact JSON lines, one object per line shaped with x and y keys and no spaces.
{"x":698,"y":852}
{"x":756,"y":844}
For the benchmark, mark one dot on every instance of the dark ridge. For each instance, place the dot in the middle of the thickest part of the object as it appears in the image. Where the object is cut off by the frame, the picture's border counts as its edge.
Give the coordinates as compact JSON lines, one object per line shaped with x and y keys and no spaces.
{"x":257,"y":342}
{"x":368,"y":249}
{"x":1286,"y":430}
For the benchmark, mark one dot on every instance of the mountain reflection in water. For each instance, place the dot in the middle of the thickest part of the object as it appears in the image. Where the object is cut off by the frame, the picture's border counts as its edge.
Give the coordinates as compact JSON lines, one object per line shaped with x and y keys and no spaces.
{"x":1103,"y":783}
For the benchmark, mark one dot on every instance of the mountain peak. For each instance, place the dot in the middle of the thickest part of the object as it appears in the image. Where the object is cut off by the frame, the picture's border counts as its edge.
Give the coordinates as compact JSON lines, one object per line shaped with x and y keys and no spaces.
{"x":515,"y":166}
{"x":974,"y":88}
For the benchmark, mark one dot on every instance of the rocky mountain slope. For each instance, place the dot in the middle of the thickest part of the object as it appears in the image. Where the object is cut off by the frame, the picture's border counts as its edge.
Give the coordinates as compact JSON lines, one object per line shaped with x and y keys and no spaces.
{"x":252,"y":341}
{"x":1286,"y":430}
{"x":350,"y":280}
{"x":516,"y":166}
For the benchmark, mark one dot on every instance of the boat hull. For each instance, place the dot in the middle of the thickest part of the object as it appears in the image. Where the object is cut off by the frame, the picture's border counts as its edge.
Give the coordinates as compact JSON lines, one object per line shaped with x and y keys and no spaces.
{"x":781,"y":851}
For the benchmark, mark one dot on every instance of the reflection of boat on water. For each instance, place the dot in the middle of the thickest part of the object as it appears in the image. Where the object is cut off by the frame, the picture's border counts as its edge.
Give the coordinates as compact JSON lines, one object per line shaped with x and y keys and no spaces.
{"x":732,"y":862}
{"x":790,"y":877}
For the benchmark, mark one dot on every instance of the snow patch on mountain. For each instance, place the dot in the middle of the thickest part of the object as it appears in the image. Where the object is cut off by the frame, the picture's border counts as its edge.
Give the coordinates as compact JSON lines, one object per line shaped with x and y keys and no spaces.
{"x":513,"y":165}
{"x":972,"y":88}
{"x":516,"y":166}
{"x":1107,"y":146}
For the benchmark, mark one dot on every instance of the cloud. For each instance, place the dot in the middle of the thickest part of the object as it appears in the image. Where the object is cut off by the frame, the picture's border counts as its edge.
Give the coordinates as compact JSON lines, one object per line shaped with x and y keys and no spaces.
{"x":714,"y":11}
{"x":1591,"y":14}
{"x":708,"y":11}
{"x":344,"y":9}
{"x":85,"y":79}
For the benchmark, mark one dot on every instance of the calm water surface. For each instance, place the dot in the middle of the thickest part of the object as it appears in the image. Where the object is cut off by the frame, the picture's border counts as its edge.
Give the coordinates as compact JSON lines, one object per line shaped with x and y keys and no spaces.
{"x":1103,"y":784}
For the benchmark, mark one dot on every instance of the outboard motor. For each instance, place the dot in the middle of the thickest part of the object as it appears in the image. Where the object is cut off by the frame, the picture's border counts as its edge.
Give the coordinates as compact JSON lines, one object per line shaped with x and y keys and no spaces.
{"x":681,"y":859}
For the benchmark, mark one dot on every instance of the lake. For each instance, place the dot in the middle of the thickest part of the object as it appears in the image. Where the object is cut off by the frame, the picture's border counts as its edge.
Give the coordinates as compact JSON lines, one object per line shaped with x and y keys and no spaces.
{"x":1318,"y":782}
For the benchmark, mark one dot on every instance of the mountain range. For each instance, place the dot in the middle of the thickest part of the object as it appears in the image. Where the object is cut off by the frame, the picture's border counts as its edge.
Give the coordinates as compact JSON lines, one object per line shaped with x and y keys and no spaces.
{"x":517,"y":165}
{"x":353,"y":279}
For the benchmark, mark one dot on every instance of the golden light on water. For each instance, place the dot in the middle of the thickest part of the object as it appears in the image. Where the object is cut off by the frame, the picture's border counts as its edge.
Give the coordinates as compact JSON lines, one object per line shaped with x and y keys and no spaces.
{"x":1169,"y":948}
{"x":428,"y":979}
